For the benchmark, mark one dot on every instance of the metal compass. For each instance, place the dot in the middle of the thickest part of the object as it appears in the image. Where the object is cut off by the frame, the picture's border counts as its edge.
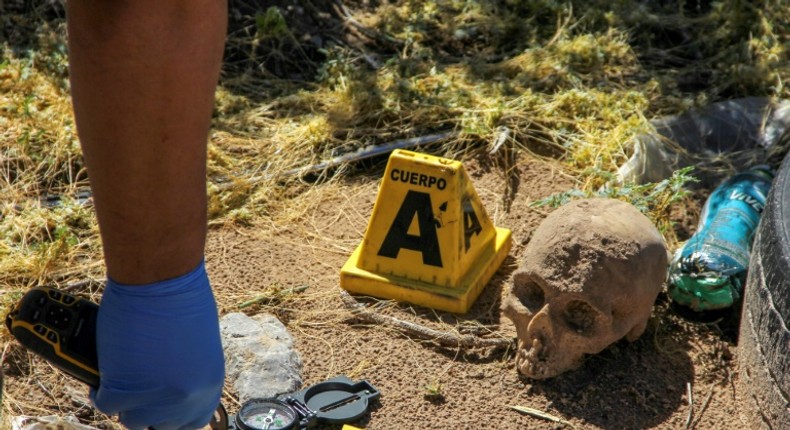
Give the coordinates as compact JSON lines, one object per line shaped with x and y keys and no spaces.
{"x":337,"y":400}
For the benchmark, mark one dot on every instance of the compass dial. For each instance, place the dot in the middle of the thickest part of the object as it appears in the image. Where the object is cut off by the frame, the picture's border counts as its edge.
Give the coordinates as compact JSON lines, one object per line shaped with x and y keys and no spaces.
{"x":266,"y":414}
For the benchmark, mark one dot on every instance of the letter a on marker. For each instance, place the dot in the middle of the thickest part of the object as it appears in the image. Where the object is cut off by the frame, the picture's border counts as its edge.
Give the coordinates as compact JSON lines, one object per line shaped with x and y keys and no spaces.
{"x":472,"y":225}
{"x":427,"y":242}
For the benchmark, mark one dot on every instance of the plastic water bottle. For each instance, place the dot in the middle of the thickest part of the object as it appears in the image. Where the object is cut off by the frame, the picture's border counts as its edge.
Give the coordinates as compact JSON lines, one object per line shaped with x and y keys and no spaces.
{"x":708,"y":272}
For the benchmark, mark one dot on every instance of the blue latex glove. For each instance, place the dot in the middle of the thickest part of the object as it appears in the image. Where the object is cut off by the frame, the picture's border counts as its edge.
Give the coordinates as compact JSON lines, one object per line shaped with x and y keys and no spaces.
{"x":160,"y":355}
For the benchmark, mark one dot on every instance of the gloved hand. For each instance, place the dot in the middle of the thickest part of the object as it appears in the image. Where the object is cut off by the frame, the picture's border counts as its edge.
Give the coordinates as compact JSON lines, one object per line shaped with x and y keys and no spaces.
{"x":160,"y":356}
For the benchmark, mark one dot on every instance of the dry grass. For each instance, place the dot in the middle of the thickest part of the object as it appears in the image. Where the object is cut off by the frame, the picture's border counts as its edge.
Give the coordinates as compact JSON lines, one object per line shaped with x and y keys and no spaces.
{"x":573,"y":82}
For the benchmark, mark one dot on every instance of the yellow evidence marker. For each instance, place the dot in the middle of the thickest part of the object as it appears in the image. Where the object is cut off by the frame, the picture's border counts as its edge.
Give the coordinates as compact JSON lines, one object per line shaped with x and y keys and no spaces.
{"x":429,"y":240}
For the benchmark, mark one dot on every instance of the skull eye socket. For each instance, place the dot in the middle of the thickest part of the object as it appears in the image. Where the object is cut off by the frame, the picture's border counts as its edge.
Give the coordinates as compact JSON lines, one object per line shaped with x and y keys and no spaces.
{"x":580,"y":317}
{"x":529,"y":293}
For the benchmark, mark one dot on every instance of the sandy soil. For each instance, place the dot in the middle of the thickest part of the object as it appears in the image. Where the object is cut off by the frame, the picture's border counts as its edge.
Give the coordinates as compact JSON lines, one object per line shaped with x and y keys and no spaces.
{"x":644,"y":384}
{"x":636,"y":385}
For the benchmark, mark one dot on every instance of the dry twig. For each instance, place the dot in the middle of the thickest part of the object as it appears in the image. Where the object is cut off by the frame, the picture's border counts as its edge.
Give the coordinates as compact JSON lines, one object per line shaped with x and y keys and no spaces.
{"x":272,"y":296}
{"x":441,"y":337}
{"x":83,"y":284}
{"x":540,"y":414}
{"x":691,"y":405}
{"x":703,"y":408}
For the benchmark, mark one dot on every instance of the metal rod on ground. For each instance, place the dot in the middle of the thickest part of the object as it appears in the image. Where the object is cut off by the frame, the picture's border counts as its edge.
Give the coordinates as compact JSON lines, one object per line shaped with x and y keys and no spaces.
{"x":361,"y":154}
{"x":369,"y":152}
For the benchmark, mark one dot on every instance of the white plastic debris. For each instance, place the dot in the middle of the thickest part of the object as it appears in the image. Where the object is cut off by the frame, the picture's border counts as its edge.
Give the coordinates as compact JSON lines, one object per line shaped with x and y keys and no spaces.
{"x":718,"y":140}
{"x":48,"y":423}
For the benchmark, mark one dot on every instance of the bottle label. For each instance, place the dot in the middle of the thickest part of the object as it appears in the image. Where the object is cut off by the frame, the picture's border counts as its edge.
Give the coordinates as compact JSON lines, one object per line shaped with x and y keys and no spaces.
{"x":709,"y":270}
{"x":756,"y":204}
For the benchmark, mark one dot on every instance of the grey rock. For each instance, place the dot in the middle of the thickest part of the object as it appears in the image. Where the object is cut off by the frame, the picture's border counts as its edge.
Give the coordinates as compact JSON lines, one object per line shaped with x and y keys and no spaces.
{"x":260,"y":359}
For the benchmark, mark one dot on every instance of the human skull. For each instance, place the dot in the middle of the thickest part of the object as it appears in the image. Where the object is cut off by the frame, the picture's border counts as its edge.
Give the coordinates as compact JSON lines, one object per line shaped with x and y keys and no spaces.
{"x":589,"y":277}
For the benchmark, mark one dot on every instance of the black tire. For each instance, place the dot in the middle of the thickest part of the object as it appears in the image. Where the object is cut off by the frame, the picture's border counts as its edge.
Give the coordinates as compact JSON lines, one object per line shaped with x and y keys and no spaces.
{"x":764,"y":340}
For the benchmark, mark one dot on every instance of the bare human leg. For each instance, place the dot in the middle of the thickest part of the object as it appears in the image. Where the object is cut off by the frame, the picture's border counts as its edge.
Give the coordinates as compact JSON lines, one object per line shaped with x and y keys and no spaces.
{"x":143,"y":76}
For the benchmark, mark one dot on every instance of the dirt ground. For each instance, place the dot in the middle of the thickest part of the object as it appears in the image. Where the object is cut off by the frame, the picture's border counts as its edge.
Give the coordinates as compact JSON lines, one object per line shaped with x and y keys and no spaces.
{"x":629,"y":386}
{"x":423,"y":385}
{"x":679,"y":374}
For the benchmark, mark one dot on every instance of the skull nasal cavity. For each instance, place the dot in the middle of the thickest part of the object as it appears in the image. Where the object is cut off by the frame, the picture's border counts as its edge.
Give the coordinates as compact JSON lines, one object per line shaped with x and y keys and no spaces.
{"x":529,"y":293}
{"x":580,"y":317}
